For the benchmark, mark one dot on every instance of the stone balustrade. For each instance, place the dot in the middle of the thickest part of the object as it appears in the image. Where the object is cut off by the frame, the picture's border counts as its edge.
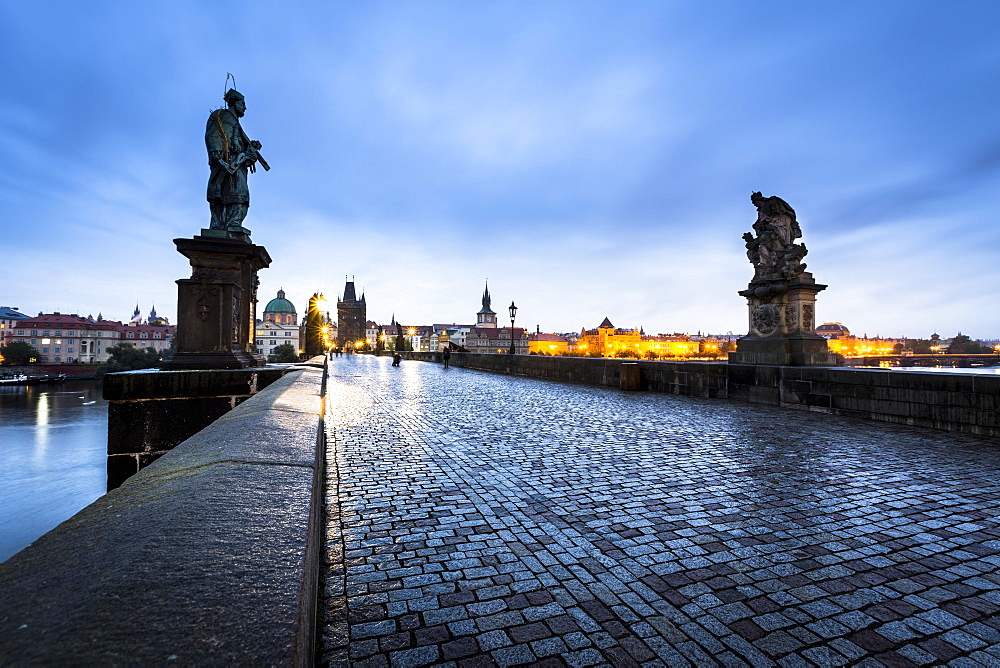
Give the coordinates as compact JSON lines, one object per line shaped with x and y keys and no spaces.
{"x":208,"y":556}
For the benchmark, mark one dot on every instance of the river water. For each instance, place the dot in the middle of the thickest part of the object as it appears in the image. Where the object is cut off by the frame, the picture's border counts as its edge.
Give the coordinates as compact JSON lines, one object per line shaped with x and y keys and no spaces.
{"x":53,"y":454}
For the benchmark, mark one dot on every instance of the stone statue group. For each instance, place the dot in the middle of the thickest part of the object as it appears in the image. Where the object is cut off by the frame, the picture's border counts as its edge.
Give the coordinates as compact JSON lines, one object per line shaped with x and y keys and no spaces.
{"x":773,"y":252}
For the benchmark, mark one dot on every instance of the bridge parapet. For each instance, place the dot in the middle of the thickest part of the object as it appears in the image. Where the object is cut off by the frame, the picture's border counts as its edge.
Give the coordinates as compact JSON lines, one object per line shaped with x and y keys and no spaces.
{"x":968,"y":403}
{"x":208,"y":556}
{"x":151,"y":411}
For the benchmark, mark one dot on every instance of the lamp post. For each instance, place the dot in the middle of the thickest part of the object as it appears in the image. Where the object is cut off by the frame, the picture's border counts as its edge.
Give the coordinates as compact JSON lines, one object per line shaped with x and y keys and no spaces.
{"x":513,"y":312}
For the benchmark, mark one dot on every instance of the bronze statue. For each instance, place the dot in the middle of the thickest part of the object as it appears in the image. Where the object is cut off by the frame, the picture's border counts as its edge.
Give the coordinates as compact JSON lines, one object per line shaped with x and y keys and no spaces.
{"x":773,"y":252}
{"x":231,"y":154}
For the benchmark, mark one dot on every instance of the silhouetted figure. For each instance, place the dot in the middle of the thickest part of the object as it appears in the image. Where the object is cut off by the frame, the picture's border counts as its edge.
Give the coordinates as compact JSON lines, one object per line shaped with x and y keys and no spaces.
{"x":231,"y":154}
{"x":446,"y":356}
{"x":396,"y":358}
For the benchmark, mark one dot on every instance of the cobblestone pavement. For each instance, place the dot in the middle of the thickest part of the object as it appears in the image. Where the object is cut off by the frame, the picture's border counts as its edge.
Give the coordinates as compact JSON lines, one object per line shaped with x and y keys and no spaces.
{"x":477,"y":519}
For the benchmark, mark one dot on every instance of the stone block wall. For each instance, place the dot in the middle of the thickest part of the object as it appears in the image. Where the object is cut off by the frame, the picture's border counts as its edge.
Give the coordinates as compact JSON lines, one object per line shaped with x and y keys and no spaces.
{"x":151,"y":411}
{"x":946,"y":401}
{"x":210,"y":556}
{"x":699,"y":379}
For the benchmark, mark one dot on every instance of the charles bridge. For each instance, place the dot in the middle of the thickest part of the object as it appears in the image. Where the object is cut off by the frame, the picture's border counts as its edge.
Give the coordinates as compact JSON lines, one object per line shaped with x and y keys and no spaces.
{"x":417,"y":515}
{"x":778,"y":509}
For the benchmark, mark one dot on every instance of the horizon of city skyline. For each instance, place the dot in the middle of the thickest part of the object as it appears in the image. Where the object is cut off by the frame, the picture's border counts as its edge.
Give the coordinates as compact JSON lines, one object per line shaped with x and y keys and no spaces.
{"x":945,"y":334}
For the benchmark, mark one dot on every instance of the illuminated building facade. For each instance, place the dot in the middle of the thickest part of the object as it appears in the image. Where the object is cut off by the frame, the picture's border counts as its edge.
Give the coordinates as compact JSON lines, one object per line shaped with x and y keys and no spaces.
{"x":279,"y":326}
{"x":841,"y":341}
{"x":547,"y":344}
{"x":606,"y":340}
{"x":68,"y":338}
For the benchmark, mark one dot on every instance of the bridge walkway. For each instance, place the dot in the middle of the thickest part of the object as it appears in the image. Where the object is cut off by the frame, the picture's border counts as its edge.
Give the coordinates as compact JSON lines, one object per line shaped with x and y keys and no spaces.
{"x":478,"y":519}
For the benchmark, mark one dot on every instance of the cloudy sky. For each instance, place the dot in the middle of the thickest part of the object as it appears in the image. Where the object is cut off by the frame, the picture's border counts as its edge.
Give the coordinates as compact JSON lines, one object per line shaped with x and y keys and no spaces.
{"x":589,"y":159}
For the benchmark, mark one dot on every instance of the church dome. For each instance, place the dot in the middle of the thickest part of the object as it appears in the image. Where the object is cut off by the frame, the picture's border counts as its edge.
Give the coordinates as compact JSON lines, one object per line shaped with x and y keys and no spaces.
{"x":280,"y":304}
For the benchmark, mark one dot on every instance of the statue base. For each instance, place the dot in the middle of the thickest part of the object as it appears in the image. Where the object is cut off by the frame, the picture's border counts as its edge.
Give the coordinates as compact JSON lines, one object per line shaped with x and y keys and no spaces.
{"x":240,"y":234}
{"x":216,"y":307}
{"x":790,"y":351}
{"x":782,"y":326}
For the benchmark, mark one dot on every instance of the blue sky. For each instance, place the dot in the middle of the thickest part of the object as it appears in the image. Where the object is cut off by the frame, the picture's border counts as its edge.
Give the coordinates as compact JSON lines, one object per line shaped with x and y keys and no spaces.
{"x":590,"y":159}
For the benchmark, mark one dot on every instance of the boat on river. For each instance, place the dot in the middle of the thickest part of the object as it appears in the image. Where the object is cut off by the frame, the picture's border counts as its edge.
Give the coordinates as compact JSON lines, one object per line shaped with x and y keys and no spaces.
{"x":22,"y":379}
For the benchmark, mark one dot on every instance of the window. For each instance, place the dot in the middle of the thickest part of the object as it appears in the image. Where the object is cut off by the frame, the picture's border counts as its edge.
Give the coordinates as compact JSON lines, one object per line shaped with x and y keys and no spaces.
{"x":69,"y":341}
{"x":20,"y":332}
{"x":272,"y":342}
{"x":58,"y":359}
{"x":58,"y":332}
{"x":130,"y":335}
{"x":44,"y":333}
{"x":144,"y":335}
{"x":57,"y":350}
{"x":156,"y":335}
{"x":44,"y":358}
{"x":69,"y":350}
{"x":34,"y":341}
{"x":69,"y":359}
{"x":45,"y":350}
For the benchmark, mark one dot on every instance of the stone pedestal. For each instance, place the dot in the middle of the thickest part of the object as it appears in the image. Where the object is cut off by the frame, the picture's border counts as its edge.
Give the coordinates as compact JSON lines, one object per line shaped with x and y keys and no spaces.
{"x":216,"y":307}
{"x":782,"y":325}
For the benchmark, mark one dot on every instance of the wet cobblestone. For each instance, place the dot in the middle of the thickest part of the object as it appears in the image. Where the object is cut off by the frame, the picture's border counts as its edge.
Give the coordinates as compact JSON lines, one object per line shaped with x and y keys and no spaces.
{"x":485,"y":520}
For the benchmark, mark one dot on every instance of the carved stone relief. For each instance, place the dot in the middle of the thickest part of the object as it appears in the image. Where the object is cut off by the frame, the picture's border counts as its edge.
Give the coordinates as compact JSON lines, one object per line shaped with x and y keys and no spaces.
{"x":205,"y":292}
{"x":807,"y":317}
{"x":765,"y":318}
{"x":236,"y":319}
{"x":791,"y":317}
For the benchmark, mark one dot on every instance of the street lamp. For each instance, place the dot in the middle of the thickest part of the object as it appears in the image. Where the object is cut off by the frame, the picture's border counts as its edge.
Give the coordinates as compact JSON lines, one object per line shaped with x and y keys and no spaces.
{"x":513,"y":312}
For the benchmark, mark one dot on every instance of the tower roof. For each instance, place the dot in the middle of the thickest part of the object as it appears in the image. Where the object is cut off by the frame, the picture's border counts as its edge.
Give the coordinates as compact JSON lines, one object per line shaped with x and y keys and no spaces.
{"x":486,"y":302}
{"x":606,"y":324}
{"x":349,"y":294}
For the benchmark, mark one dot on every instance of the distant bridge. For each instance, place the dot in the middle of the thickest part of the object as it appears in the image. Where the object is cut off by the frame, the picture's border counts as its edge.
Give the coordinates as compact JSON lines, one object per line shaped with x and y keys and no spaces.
{"x":931,"y":360}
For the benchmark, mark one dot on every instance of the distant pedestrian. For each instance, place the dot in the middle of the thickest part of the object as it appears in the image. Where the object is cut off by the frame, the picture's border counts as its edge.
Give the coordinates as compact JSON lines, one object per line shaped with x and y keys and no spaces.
{"x":446,"y":356}
{"x":396,"y":358}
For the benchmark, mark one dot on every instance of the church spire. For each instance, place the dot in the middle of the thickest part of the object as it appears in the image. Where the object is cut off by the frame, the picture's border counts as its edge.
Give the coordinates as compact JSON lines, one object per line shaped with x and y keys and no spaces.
{"x":486,"y":316}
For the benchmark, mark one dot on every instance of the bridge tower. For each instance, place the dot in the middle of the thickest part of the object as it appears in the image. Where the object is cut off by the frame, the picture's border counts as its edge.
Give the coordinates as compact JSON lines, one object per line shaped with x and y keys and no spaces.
{"x":352,"y":313}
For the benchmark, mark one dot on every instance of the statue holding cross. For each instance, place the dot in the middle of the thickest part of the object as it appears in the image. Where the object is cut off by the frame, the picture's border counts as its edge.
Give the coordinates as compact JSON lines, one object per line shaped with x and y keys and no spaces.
{"x":231,"y":155}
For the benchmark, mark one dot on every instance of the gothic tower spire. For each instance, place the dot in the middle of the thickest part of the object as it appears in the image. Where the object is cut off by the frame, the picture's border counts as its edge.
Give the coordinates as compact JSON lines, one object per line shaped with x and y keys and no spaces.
{"x":486,"y":317}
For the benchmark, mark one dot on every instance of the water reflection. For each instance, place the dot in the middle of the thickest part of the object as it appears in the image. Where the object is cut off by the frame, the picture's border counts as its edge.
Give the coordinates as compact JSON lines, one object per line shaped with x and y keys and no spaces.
{"x":53,"y":445}
{"x":41,"y":426}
